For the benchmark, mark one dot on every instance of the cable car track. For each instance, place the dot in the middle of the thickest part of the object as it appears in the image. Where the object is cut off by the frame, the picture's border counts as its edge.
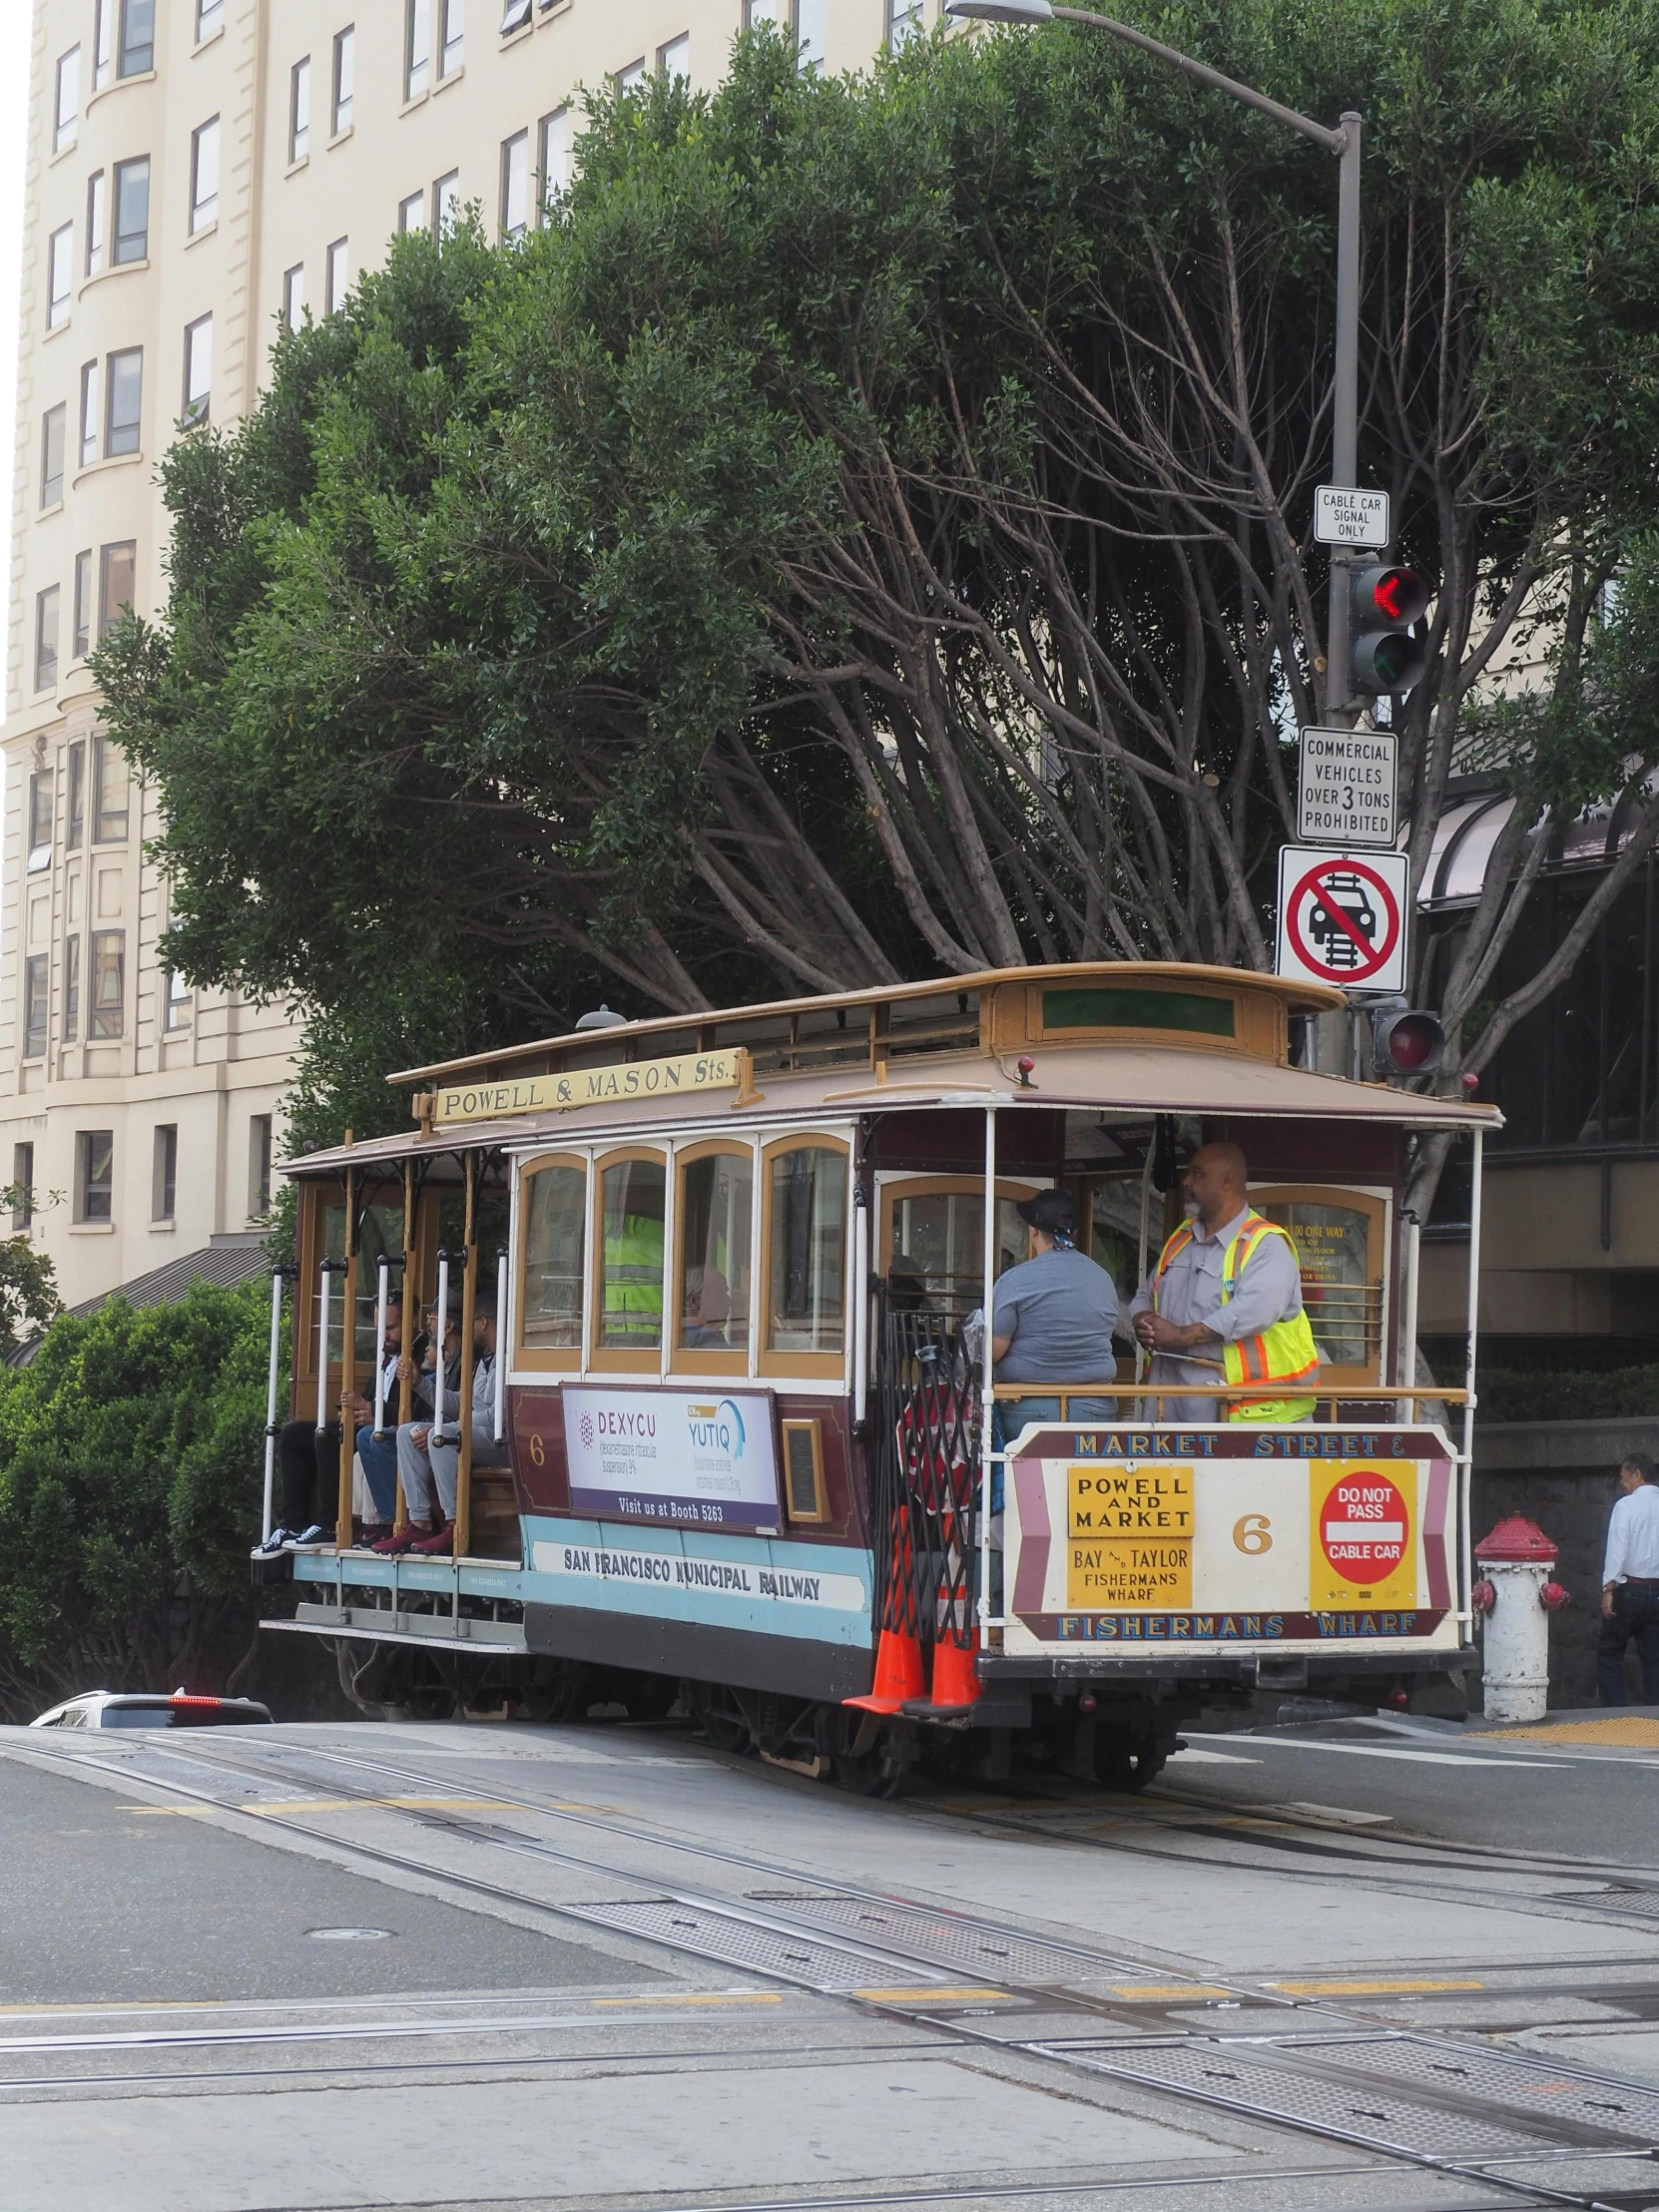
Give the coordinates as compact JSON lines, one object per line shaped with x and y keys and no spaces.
{"x":1306,"y":2077}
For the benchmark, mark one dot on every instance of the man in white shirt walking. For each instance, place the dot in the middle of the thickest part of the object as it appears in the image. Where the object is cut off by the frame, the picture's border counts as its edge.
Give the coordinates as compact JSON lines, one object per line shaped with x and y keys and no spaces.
{"x":1630,"y":1584}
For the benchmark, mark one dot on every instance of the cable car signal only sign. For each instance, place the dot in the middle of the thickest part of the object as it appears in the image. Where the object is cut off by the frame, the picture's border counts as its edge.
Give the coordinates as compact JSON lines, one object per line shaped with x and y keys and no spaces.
{"x":1342,"y":919}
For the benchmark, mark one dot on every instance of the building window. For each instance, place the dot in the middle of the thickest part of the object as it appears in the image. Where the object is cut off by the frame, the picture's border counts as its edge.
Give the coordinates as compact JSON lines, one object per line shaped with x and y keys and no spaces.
{"x":97,"y":207}
{"x":258,"y":1166}
{"x":46,"y":638}
{"x":299,"y":110}
{"x":117,"y":565}
{"x":103,"y":42}
{"x":805,"y":18}
{"x":89,"y":414}
{"x":176,"y":1010}
{"x":132,"y":210}
{"x":60,"y":276}
{"x":82,"y":638}
{"x":446,"y":202}
{"x":417,"y":47}
{"x":124,"y":385}
{"x":94,"y":1173}
{"x":204,"y":174}
{"x":34,"y":1005}
{"x":199,"y":367}
{"x":515,"y":184}
{"x":453,"y":50}
{"x":674,"y":59}
{"x":109,"y":798}
{"x":627,"y":80}
{"x":209,"y":15}
{"x":138,"y":37}
{"x":293,"y":295}
{"x":54,"y":428}
{"x":514,"y":14}
{"x":109,"y":983}
{"x":164,"y":1172}
{"x":23,"y":1187}
{"x":67,"y":111}
{"x":904,"y":22}
{"x":554,"y":151}
{"x":40,"y":819}
{"x":339,"y":276}
{"x":411,"y":212}
{"x":71,"y":989}
{"x":75,"y":812}
{"x":344,"y":80}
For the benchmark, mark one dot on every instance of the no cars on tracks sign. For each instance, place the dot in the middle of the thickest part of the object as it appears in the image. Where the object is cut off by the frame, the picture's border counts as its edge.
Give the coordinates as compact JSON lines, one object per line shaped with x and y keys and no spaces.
{"x":1342,"y":919}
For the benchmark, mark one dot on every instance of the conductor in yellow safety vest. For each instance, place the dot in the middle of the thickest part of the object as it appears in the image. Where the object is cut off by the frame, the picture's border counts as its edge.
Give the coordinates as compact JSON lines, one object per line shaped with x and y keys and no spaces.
{"x":1224,"y":1303}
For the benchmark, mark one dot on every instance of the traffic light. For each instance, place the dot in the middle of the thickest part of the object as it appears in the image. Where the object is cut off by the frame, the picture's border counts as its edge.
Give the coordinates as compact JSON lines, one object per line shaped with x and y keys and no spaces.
{"x":1404,"y":1040}
{"x":1382,"y":653}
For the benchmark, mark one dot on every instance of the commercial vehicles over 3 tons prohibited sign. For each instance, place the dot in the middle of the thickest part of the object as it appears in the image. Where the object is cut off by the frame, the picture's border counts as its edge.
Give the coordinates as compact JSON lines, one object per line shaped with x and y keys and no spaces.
{"x":1347,"y":788}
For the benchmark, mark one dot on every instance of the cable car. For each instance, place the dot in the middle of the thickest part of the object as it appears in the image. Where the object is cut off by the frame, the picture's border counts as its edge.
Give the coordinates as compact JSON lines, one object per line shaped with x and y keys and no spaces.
{"x":741,"y":1444}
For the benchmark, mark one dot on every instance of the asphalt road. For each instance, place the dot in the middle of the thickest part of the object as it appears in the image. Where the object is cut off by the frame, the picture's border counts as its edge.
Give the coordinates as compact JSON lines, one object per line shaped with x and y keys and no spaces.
{"x":496,"y":1966}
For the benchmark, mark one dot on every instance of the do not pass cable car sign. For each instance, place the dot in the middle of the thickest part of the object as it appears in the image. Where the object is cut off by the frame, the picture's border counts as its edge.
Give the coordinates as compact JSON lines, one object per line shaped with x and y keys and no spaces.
{"x":1342,"y":919}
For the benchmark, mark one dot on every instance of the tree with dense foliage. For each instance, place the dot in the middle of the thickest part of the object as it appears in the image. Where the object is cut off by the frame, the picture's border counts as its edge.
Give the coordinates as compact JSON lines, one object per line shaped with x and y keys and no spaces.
{"x":866,"y":531}
{"x":131,"y":1457}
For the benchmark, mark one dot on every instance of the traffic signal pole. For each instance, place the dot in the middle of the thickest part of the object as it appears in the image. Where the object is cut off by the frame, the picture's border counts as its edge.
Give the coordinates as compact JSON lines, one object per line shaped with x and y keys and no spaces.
{"x":1344,"y":426}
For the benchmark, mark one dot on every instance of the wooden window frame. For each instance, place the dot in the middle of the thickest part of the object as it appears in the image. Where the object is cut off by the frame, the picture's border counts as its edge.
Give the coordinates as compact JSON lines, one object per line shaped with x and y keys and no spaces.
{"x":602,"y":1360}
{"x":936,"y":1186}
{"x":1357,"y":1199}
{"x":801,"y":1365}
{"x":546,"y":1358}
{"x":689,"y":1360}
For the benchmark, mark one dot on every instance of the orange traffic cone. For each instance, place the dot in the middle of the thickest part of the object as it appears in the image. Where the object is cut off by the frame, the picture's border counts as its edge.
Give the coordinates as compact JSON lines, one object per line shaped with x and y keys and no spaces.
{"x":955,"y":1685}
{"x":899,"y":1675}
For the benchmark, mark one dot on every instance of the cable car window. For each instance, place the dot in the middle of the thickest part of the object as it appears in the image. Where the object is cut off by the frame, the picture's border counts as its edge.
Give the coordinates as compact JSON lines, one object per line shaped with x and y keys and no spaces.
{"x":807,"y":1256}
{"x":1120,"y":1009}
{"x":550,"y":1295}
{"x":934,"y":1248}
{"x":628,"y":1291}
{"x":1338,"y":1236}
{"x":716,"y":1197}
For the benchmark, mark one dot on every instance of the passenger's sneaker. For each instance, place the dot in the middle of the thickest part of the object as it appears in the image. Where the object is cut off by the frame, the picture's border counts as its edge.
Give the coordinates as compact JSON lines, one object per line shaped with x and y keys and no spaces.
{"x":393,"y":1548}
{"x":374,"y":1533}
{"x":271,"y":1546}
{"x":314,"y":1539}
{"x":438,"y":1546}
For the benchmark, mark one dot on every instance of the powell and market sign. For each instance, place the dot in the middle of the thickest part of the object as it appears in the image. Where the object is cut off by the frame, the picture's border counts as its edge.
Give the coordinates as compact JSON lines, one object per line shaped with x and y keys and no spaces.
{"x":632,"y":1079}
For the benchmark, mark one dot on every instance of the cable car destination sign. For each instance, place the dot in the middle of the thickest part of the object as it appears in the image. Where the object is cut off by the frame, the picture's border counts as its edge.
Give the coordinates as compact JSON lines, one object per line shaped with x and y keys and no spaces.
{"x":550,"y":1094}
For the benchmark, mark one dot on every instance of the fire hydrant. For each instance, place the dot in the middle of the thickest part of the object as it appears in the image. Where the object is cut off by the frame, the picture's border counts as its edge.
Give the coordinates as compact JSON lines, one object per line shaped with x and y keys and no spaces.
{"x":1516,"y":1593}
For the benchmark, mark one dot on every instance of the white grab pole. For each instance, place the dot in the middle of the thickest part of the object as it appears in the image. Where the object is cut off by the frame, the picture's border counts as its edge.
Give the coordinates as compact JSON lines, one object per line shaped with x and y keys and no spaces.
{"x":271,"y":1431}
{"x":501,"y":1341}
{"x":988,"y":1402}
{"x":323,"y":1346}
{"x":1468,"y":1364}
{"x":1411,"y":1238}
{"x":382,"y":1301}
{"x":442,"y":1332}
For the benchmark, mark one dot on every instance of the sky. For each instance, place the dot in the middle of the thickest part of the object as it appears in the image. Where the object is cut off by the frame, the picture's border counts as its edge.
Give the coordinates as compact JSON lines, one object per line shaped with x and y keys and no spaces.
{"x":14,"y":105}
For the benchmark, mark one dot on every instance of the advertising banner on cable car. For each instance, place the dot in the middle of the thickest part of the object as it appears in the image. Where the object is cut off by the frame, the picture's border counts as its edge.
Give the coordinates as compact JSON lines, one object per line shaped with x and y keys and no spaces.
{"x":698,"y":1459}
{"x":1214,"y":1537}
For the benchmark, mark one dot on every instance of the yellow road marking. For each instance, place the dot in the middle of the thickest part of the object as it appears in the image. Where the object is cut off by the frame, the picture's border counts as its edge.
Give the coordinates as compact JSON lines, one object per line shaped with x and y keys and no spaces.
{"x":331,"y":1805}
{"x":1631,"y":1731}
{"x":1155,"y":1992}
{"x":929,"y":1995}
{"x":1366,"y":1988}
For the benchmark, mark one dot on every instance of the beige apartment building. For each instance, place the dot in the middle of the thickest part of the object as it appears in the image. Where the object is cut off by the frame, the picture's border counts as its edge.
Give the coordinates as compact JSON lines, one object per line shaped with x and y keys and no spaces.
{"x":196,"y":170}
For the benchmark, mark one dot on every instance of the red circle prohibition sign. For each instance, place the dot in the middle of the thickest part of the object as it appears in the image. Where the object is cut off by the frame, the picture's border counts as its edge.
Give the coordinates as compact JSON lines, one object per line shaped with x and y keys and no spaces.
{"x":1369,"y":957}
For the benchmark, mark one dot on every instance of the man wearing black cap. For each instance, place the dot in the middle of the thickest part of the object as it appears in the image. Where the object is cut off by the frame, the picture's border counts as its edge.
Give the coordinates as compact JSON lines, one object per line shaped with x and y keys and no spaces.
{"x":1052,"y":1318}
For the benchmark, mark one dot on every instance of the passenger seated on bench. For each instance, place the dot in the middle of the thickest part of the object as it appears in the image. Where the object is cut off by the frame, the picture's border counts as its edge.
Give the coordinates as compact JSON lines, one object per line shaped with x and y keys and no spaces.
{"x":308,"y":1458}
{"x":708,"y":1309}
{"x":428,"y":1471}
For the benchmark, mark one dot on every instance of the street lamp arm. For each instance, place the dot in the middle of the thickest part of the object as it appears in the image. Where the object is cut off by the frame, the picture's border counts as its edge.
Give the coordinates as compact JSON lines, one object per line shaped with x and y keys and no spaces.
{"x":1334,"y":141}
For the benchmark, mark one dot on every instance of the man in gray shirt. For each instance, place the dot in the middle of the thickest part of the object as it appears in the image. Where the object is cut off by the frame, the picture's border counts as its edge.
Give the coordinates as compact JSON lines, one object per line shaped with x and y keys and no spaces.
{"x":1178,"y":1312}
{"x":1052,"y":1319}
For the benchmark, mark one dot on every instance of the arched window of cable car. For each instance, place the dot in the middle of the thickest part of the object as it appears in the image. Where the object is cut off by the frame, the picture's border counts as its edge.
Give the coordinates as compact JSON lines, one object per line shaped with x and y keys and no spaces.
{"x":628,"y":1274}
{"x":805,"y":1257}
{"x":553,"y":1196}
{"x":714,"y":1225}
{"x":933,"y":1239}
